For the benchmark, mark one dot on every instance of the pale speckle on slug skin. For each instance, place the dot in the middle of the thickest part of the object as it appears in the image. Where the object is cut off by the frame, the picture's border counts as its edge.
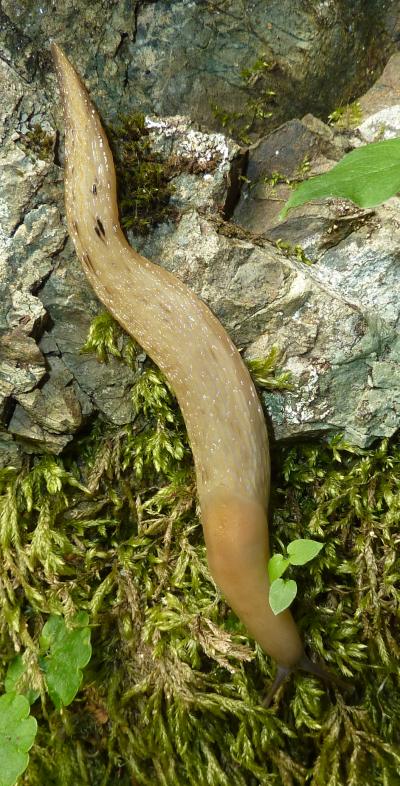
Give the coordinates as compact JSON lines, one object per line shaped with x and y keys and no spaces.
{"x":220,"y":406}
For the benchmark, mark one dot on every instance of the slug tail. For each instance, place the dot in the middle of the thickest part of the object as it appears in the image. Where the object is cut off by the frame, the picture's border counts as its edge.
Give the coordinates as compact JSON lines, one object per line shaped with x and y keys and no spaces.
{"x":282,"y":673}
{"x":307,"y":665}
{"x":304,"y":664}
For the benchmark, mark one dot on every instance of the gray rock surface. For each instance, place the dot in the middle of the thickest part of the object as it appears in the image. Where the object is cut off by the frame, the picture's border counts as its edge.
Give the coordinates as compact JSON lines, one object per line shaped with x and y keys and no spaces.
{"x":186,"y":56}
{"x":45,"y":296}
{"x":213,"y":162}
{"x":335,"y":322}
{"x":330,"y":344}
{"x":355,"y":257}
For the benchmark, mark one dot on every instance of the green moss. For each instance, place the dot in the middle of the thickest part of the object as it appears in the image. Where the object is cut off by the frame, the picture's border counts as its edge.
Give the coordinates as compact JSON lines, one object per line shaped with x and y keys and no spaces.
{"x":275,"y":179}
{"x":346,"y":117}
{"x":293,"y":250}
{"x":172,"y":693}
{"x":144,"y":187}
{"x":106,"y":338}
{"x":39,"y":142}
{"x":144,"y":177}
{"x":257,"y":105}
{"x":264,"y":372}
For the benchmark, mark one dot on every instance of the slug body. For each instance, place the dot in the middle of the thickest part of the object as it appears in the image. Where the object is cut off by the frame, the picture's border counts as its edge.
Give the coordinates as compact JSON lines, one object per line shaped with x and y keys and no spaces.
{"x":218,"y":400}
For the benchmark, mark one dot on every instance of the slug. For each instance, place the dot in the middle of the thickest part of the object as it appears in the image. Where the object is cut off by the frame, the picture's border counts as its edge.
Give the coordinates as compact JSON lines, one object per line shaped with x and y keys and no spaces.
{"x":219,"y":403}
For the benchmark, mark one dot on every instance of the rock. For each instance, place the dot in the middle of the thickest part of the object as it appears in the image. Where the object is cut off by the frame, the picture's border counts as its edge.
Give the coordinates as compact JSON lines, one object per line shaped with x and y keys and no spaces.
{"x":295,"y":149}
{"x":265,"y":299}
{"x":56,"y":411}
{"x":210,"y":60}
{"x":29,"y":238}
{"x":11,"y":95}
{"x":189,"y":57}
{"x":354,"y":254}
{"x":32,"y":437}
{"x":10,"y":453}
{"x":210,"y":164}
{"x":51,"y":411}
{"x":286,"y":148}
{"x":26,"y":312}
{"x":385,"y":92}
{"x":381,"y":106}
{"x":20,"y":179}
{"x":70,"y":303}
{"x":6,"y":391}
{"x":382,"y":125}
{"x":22,"y":365}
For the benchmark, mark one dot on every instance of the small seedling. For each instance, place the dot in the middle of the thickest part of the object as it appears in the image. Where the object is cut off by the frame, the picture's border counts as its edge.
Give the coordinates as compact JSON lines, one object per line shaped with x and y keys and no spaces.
{"x":345,"y":117}
{"x":282,"y":592}
{"x":64,"y":651}
{"x":68,"y":650}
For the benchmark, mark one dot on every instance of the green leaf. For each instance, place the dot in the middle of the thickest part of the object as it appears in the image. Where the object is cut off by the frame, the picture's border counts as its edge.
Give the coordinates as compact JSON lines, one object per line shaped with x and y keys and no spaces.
{"x":303,"y":550}
{"x":69,"y":651}
{"x":16,"y":679}
{"x":17,"y":734}
{"x":281,"y":594}
{"x":367,"y":176}
{"x":277,"y":566}
{"x":15,"y":671}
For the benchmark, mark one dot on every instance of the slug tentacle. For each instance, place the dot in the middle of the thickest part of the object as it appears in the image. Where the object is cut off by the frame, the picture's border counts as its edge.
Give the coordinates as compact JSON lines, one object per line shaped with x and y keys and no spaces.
{"x":218,"y":400}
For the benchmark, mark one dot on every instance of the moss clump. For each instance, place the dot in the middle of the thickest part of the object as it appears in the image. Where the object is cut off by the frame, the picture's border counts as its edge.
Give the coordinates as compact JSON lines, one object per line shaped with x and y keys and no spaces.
{"x":39,"y":142}
{"x":257,"y":105}
{"x":265,"y":375}
{"x":144,"y":187}
{"x":172,"y":692}
{"x":291,"y":250}
{"x":145,"y":178}
{"x":106,"y":338}
{"x":346,"y":117}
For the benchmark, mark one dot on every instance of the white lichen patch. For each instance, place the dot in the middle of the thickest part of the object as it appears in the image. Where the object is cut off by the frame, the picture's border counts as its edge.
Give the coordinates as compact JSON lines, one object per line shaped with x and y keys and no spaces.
{"x":189,"y":142}
{"x":384,"y":124}
{"x":205,"y":160}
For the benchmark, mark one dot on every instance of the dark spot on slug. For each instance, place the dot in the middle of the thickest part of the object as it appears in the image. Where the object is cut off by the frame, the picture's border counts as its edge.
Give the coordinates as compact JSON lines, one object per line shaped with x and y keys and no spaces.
{"x":98,"y":233}
{"x":75,"y":225}
{"x":94,"y":188}
{"x":100,"y":226}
